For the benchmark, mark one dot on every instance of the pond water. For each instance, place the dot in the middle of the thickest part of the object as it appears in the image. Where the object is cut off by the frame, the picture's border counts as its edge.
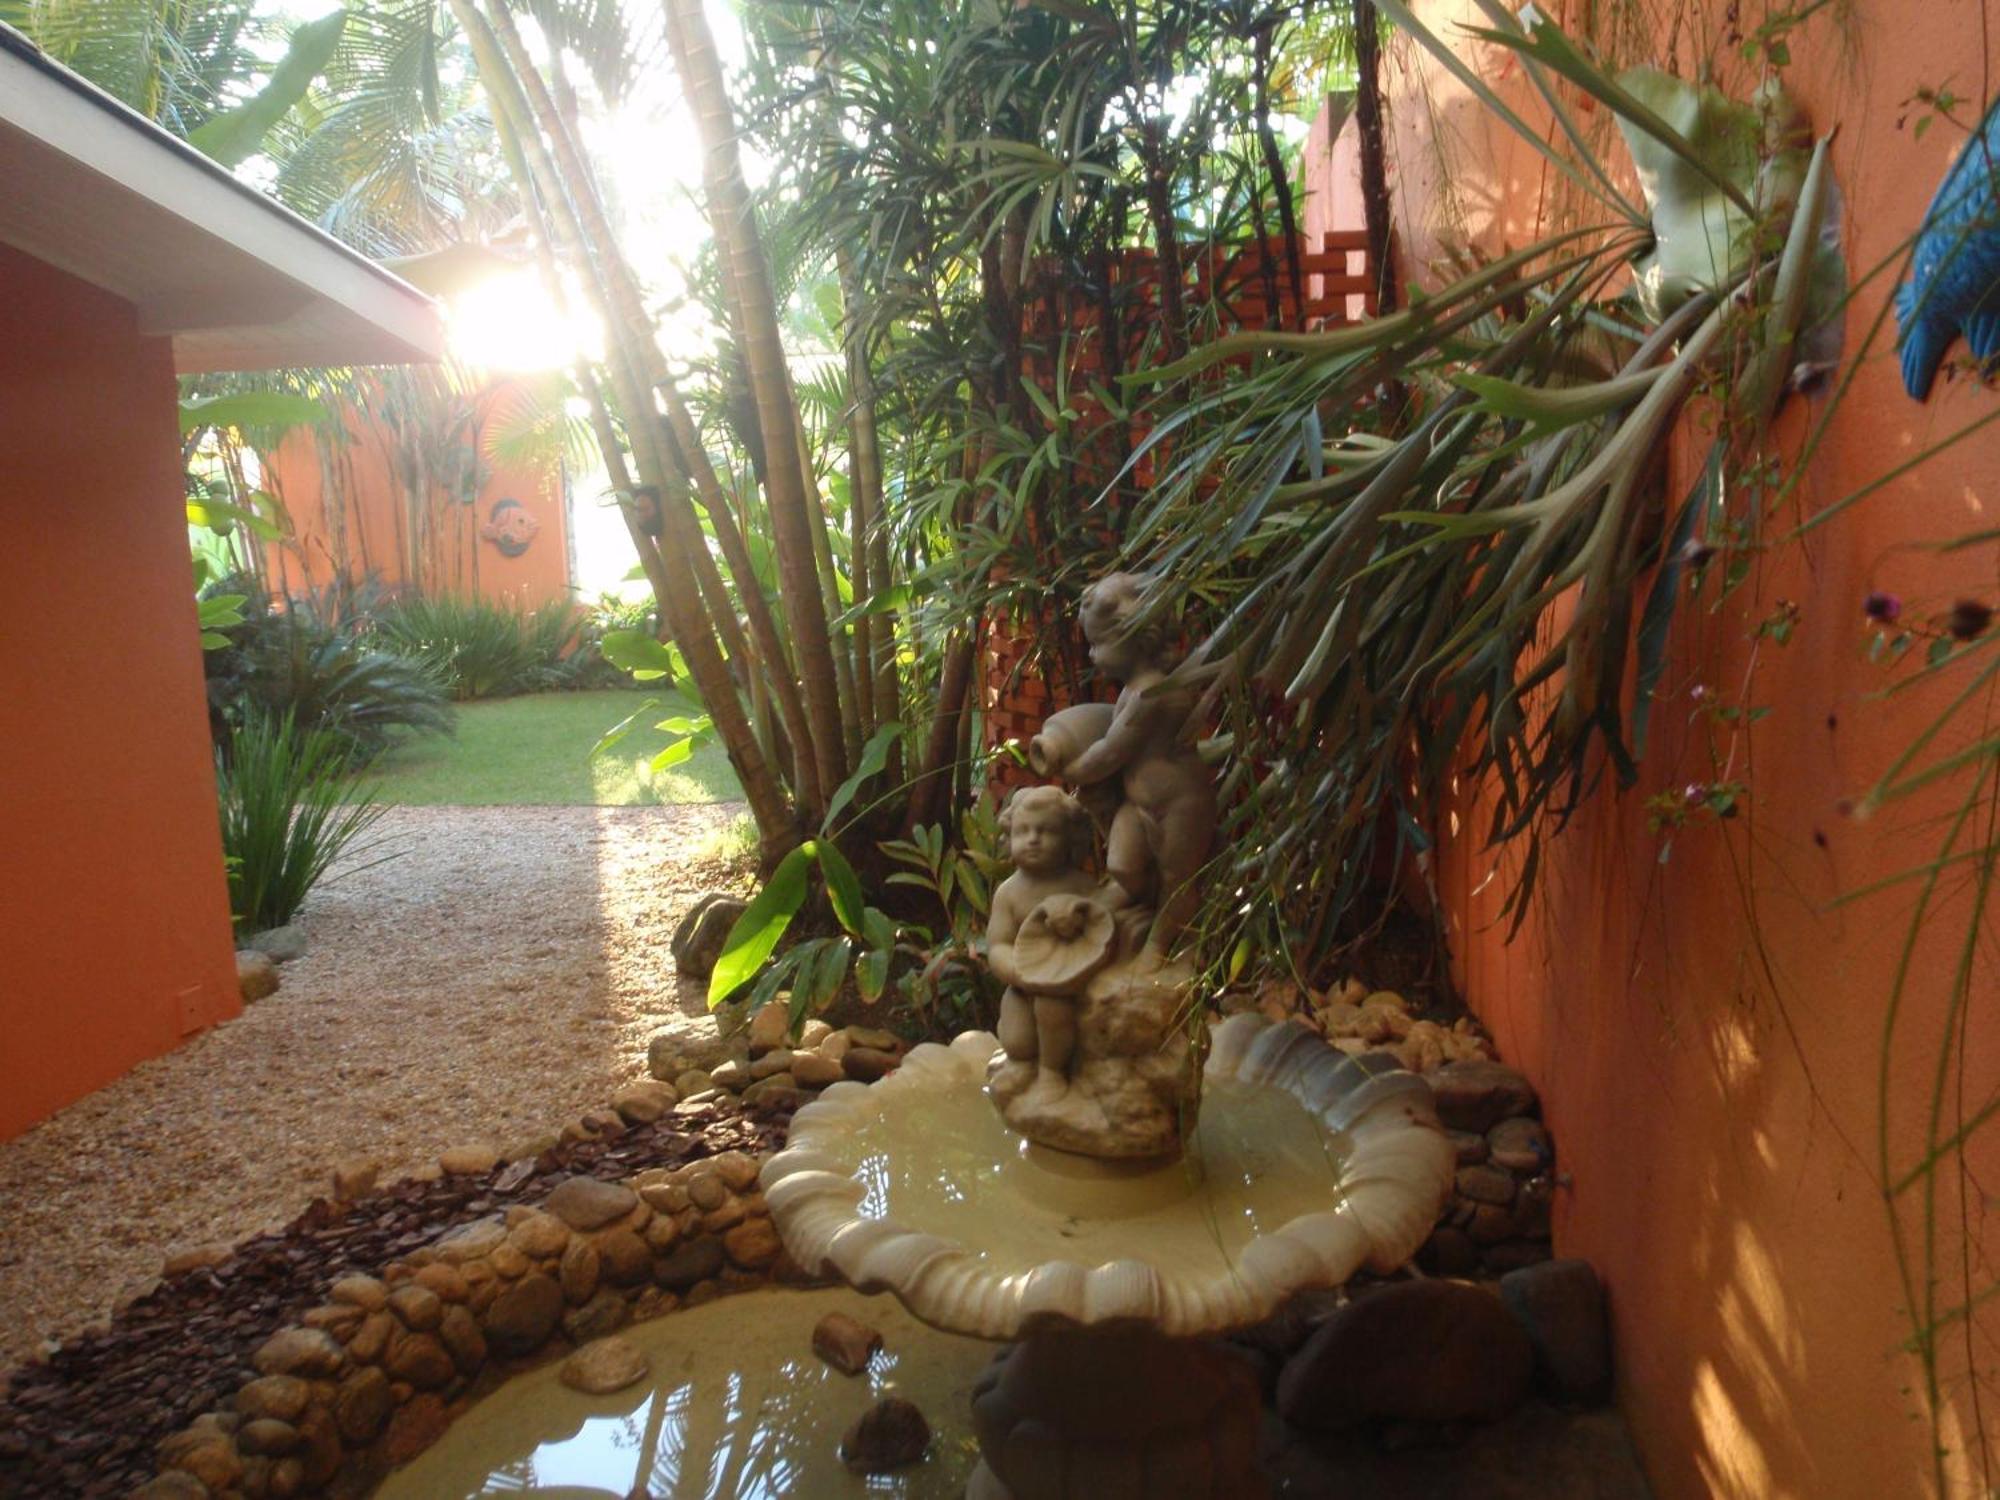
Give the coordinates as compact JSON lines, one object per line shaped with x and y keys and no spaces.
{"x":738,"y":1407}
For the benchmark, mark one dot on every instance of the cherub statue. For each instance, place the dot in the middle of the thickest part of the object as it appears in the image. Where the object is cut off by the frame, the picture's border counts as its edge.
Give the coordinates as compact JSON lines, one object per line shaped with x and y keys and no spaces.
{"x":1161,"y":831}
{"x":1049,"y":930}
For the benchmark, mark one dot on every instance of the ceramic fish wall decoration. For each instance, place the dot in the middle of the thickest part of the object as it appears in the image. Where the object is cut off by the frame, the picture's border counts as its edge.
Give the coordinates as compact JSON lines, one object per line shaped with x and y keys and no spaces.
{"x":1954,"y":284}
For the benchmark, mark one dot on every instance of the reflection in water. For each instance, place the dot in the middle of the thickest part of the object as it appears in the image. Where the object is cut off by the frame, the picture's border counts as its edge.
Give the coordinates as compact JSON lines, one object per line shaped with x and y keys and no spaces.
{"x":738,"y":1409}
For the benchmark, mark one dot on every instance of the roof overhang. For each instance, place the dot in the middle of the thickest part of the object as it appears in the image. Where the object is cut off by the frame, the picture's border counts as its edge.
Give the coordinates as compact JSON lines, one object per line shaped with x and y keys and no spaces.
{"x":235,"y":279}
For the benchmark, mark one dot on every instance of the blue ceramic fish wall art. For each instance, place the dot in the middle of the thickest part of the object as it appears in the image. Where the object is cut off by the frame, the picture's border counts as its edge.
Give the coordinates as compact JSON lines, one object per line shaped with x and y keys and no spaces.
{"x":1954,"y":284}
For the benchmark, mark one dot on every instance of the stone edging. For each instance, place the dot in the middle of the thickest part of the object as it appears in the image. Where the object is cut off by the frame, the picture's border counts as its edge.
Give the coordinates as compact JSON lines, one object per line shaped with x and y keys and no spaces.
{"x":373,"y":1376}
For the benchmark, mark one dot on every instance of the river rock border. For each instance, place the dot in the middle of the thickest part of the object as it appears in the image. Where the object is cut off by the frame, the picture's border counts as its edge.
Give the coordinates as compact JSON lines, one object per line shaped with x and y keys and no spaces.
{"x":372,"y":1376}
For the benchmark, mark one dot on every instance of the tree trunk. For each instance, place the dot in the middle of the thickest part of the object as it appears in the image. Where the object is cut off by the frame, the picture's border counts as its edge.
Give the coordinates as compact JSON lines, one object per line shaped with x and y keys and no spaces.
{"x":747,"y":284}
{"x":1374,"y":158}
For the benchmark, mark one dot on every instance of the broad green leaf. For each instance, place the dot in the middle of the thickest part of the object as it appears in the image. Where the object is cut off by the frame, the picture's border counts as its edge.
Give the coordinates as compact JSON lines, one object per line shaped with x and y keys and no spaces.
{"x":682,"y":724}
{"x":646,"y":658}
{"x":673,"y":755}
{"x":250,"y":409}
{"x":876,"y":928}
{"x":842,"y":888}
{"x":220,"y":517}
{"x":828,"y":969}
{"x":874,"y":756}
{"x":622,"y":728}
{"x":757,"y":931}
{"x":871,"y":974}
{"x":238,"y":134}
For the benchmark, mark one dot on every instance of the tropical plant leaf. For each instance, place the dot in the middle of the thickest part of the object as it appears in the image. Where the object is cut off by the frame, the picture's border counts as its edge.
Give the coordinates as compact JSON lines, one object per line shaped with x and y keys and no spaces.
{"x":843,"y":888}
{"x":874,"y":756}
{"x":756,"y":933}
{"x":235,"y":135}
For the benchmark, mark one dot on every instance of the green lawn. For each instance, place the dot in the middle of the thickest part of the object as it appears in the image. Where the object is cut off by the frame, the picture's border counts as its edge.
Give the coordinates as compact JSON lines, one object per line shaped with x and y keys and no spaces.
{"x":536,"y":750}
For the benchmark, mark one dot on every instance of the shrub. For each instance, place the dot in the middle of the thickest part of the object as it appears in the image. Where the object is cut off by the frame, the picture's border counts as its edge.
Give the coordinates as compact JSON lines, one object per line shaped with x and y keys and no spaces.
{"x":482,"y":649}
{"x":289,"y":807}
{"x":320,"y":667}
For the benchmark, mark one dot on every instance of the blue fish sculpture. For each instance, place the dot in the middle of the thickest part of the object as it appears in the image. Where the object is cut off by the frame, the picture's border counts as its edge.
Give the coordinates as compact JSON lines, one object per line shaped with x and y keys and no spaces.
{"x":1954,"y":284}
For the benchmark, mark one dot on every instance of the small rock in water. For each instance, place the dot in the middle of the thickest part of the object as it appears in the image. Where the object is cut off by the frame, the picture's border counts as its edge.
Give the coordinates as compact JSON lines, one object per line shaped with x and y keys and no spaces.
{"x":888,"y":1435}
{"x":845,"y":1343}
{"x":604,"y":1365}
{"x":281,"y":944}
{"x":256,"y":974}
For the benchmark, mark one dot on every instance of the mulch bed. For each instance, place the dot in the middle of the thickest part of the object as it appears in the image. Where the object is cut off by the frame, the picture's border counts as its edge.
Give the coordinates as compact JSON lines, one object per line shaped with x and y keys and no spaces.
{"x":85,"y":1422}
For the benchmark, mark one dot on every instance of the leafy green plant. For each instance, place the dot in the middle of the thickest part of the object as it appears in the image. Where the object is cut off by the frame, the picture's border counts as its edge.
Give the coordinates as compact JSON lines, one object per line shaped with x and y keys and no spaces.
{"x":289,"y":809}
{"x":484,"y":649}
{"x":314,"y":663}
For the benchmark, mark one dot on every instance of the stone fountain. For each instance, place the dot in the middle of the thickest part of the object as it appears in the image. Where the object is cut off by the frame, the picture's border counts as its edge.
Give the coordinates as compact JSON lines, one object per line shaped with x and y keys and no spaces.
{"x":1085,"y":1186}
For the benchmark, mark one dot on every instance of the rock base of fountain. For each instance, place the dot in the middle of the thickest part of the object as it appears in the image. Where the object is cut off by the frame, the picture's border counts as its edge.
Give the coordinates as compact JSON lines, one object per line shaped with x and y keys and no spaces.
{"x":1116,"y":1414}
{"x":1134,"y":1092}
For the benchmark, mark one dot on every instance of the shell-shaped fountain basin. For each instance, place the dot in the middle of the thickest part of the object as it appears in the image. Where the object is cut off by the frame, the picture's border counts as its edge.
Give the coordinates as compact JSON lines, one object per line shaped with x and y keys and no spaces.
{"x":1306,"y":1165}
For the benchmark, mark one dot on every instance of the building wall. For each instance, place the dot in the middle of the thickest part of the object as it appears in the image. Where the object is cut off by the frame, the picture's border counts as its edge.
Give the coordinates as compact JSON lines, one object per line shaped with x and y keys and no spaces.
{"x":366,"y":529}
{"x":114,"y":914}
{"x":1706,"y":1025}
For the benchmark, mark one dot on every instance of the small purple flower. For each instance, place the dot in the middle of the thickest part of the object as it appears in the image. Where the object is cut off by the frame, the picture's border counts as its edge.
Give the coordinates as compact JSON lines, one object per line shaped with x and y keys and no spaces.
{"x":1694,"y":794}
{"x":1699,"y":692}
{"x":1883,"y":609}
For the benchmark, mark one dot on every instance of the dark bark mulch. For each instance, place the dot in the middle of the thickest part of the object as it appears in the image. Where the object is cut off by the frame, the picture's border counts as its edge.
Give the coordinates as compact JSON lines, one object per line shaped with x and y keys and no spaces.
{"x":85,"y":1422}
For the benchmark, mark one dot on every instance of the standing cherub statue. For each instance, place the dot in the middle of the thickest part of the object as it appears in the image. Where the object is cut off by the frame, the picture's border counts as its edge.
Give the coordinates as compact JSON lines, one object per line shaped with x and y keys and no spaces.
{"x":1161,"y":832}
{"x":1049,"y":929}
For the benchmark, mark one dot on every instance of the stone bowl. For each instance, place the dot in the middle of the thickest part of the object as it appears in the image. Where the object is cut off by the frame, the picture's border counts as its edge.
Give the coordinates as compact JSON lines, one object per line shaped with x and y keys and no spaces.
{"x":1307,"y":1165}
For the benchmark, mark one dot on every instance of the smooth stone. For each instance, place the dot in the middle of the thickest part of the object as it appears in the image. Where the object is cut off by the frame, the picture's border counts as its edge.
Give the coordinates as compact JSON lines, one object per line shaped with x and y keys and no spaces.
{"x":770,"y":1027}
{"x":753,"y":1244}
{"x":267,"y":1437}
{"x":772,"y":1063}
{"x":307,"y":1352}
{"x":280,"y":1397}
{"x":780,"y":1091}
{"x":867,"y":1064}
{"x":1521,"y":1145}
{"x":876,"y":1039}
{"x":732,"y":1075}
{"x":417,"y":1424}
{"x":522,"y":1317}
{"x":538,"y":1235}
{"x":845,"y":1343}
{"x":1472,"y":1147}
{"x":353,"y":1177}
{"x":420,"y":1308}
{"x":1477,"y":1095}
{"x":605,"y":1313}
{"x":737,"y":1169}
{"x":1415,"y":1351}
{"x":700,"y":936}
{"x":586,"y":1203}
{"x":1485,"y":1184}
{"x":459,"y":1332}
{"x":691,"y":1081}
{"x":579,"y":1271}
{"x":364,"y":1292}
{"x":604,"y":1365}
{"x":693,"y":1261}
{"x":198,"y":1259}
{"x":643,"y":1102}
{"x":420,"y":1360}
{"x":470,"y":1242}
{"x":1448,"y":1252}
{"x":469,"y":1161}
{"x":362,"y":1404}
{"x":811,"y":1071}
{"x":1561,"y":1305}
{"x":665,"y":1057}
{"x":256,"y":975}
{"x":280,"y":944}
{"x":813,"y":1033}
{"x":888,"y":1435}
{"x":623,"y":1258}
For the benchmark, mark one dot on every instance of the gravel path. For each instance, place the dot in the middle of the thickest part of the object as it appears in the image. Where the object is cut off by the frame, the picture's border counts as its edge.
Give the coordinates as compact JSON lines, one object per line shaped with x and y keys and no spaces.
{"x":501,"y":973}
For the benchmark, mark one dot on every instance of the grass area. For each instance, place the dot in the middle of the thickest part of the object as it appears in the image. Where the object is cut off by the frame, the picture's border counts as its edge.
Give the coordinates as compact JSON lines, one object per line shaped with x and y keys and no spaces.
{"x":536,"y":751}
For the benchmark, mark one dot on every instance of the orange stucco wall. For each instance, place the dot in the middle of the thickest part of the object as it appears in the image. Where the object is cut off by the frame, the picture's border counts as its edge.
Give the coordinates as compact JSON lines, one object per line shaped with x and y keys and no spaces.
{"x":367,"y":528}
{"x":1708,"y":1031}
{"x":114,"y":915}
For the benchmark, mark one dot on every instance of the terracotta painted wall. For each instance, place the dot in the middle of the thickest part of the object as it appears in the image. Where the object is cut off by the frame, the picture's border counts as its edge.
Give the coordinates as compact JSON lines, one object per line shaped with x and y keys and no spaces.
{"x":114,"y":916}
{"x":1708,"y":1032}
{"x":368,"y":532}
